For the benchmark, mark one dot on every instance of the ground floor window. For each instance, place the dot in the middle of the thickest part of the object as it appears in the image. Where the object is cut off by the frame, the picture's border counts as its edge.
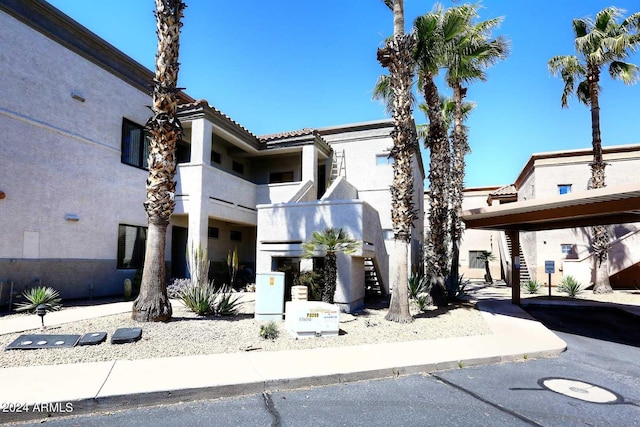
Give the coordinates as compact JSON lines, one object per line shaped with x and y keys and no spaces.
{"x":132,"y":241}
{"x":476,"y":259}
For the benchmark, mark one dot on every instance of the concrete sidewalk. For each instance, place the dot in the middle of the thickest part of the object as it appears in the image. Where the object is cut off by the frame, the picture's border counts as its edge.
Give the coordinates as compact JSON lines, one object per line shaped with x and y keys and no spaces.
{"x":125,"y":383}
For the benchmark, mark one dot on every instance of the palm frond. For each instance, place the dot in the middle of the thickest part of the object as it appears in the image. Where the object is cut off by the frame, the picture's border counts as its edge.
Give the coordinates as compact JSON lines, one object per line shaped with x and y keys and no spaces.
{"x":628,"y":73}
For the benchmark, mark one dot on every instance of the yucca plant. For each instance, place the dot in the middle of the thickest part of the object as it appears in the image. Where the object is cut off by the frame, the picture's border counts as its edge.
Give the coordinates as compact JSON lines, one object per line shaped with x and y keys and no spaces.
{"x":569,"y":285}
{"x":40,"y":295}
{"x":199,"y":298}
{"x":226,"y":303}
{"x":531,"y":286}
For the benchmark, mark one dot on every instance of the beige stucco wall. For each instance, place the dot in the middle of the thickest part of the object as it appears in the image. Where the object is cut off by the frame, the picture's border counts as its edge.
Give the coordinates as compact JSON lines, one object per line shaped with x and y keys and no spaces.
{"x":62,"y":156}
{"x":549,"y":172}
{"x":478,"y":240}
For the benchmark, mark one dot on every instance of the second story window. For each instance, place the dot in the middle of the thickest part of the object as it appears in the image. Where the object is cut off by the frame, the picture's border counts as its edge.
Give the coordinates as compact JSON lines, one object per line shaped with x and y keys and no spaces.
{"x":135,"y":146}
{"x":237,"y":167}
{"x":279,"y":177}
{"x":215,"y":157}
{"x":564,"y":188}
{"x":383,"y":159}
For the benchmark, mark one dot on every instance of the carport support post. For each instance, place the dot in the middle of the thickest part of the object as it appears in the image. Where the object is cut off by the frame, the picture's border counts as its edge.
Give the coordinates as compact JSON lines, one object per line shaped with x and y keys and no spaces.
{"x":514,"y":236}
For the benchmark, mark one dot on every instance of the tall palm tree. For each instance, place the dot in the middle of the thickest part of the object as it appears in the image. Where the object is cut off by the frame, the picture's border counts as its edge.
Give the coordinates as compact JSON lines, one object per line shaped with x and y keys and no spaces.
{"x":396,"y":55}
{"x":432,"y":30}
{"x":601,"y":42}
{"x":467,"y":57}
{"x":330,"y":242}
{"x":164,"y":130}
{"x":447,"y":110}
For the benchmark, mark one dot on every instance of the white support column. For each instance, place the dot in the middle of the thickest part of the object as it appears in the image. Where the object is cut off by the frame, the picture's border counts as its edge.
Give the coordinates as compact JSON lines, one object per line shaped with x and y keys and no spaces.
{"x":201,"y":138}
{"x":310,"y":164}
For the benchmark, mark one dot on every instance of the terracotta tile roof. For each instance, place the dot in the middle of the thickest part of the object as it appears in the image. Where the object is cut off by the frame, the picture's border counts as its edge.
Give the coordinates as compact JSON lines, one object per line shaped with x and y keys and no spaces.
{"x":203,"y":103}
{"x":290,"y":134}
{"x":507,"y":190}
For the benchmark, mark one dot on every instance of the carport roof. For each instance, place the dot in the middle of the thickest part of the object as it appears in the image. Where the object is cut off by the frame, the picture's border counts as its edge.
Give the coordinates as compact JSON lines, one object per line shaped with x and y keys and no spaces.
{"x":609,"y":205}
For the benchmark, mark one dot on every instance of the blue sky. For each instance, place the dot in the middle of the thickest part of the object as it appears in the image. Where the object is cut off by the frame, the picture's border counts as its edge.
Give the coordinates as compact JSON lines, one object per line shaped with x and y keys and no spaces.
{"x":283,"y":65}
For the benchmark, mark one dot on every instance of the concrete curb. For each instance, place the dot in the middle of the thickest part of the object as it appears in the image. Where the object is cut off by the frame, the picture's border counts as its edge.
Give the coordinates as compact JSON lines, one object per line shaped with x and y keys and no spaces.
{"x":122,"y":384}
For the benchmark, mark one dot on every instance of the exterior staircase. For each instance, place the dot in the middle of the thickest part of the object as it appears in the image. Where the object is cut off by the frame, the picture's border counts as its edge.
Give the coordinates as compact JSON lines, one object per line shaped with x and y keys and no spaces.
{"x":372,"y":288}
{"x":524,"y":270}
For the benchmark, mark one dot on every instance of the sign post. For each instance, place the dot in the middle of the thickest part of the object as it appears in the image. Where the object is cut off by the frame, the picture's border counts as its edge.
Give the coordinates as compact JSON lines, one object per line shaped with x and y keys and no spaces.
{"x":549,"y":267}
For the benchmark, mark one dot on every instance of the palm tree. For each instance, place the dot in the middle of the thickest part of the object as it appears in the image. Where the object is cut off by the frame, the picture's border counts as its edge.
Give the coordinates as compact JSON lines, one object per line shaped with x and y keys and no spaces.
{"x":467,"y":56}
{"x":447,"y":110}
{"x":330,"y":242}
{"x":396,"y":55}
{"x":487,"y":256}
{"x":598,"y":43}
{"x":164,"y":130}
{"x":432,"y":31}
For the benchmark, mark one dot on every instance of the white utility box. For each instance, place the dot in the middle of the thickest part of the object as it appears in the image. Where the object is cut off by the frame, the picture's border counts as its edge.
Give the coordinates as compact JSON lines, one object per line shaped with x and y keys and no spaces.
{"x":269,"y":296}
{"x":305,"y":319}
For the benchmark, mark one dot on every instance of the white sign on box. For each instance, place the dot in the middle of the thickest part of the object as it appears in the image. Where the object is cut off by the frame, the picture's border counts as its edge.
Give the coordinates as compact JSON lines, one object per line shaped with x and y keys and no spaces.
{"x":311,"y":318}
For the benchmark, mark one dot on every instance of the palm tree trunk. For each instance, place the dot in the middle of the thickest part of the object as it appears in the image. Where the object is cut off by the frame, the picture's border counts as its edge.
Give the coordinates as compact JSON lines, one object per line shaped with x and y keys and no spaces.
{"x":439,"y":175}
{"x":600,"y":240}
{"x":330,"y":277}
{"x":152,"y":304}
{"x":460,"y":148}
{"x":399,"y":305}
{"x":164,"y":129}
{"x":397,"y":56}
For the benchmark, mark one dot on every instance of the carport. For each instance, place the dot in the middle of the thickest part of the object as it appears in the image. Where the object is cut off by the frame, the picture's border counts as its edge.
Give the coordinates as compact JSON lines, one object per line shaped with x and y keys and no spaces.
{"x":602,"y":206}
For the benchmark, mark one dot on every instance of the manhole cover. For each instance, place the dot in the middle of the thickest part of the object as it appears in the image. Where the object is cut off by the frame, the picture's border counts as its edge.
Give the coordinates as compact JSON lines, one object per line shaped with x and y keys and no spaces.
{"x":580,"y":390}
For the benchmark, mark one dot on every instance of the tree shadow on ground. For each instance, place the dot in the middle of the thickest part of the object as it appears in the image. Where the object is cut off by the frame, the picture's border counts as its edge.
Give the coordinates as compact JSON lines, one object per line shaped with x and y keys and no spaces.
{"x":602,"y":323}
{"x":439,"y":311}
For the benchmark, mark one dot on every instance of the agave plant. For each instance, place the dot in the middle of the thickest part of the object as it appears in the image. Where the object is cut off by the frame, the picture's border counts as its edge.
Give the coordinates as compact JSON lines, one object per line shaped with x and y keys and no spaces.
{"x":418,"y":284}
{"x":40,"y":295}
{"x":199,"y":298}
{"x":531,"y":286}
{"x":569,"y":285}
{"x":226,"y":303}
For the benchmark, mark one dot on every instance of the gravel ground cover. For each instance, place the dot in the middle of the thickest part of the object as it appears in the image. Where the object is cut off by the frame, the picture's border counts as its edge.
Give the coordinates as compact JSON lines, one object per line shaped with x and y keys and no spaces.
{"x":190,"y":334}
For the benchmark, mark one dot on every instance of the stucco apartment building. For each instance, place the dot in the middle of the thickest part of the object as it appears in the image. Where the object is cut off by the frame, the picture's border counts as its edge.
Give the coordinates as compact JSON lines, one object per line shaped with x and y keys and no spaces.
{"x":546,"y":175}
{"x":73,"y":175}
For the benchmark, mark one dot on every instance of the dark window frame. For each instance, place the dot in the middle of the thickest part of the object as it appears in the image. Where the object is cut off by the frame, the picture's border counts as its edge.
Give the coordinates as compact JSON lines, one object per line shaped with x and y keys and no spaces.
{"x":235,"y":235}
{"x":384,"y":160}
{"x":213,"y":233}
{"x":136,"y":248}
{"x":216,"y":157}
{"x":474,"y":260}
{"x":237,"y":167}
{"x":139,"y":157}
{"x":281,"y":177}
{"x":566,"y":187}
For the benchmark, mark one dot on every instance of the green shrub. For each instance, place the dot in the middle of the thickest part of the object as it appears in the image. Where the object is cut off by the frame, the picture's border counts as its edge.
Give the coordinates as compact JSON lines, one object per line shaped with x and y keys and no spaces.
{"x":531,"y":286}
{"x":418,"y":284}
{"x":459,"y":291}
{"x":314,"y":282}
{"x":569,"y":285}
{"x":207,"y":299}
{"x":44,"y":295}
{"x":269,"y":331}
{"x":199,"y":298}
{"x":226,"y":303}
{"x":423,"y":301}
